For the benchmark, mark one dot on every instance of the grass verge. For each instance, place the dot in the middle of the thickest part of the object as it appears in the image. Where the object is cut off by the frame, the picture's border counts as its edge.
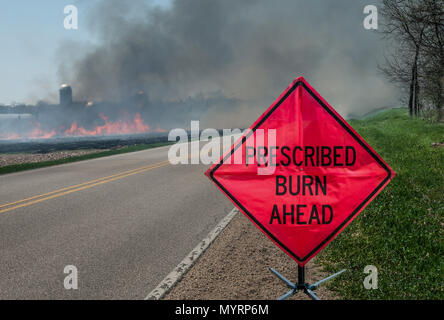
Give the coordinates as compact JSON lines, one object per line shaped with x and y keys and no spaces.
{"x":35,"y":165}
{"x":401,"y":231}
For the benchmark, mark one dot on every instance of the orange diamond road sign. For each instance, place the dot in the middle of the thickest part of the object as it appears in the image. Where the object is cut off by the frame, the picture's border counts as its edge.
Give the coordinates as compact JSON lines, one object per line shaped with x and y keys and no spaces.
{"x":300,"y":173}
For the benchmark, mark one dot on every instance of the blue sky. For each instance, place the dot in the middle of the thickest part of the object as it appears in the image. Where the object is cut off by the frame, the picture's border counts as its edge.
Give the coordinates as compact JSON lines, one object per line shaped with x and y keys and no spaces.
{"x":31,"y":32}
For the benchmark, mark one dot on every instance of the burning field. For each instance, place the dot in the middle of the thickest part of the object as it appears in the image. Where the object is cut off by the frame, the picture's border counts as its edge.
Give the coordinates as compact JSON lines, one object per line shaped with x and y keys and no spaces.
{"x":70,"y":125}
{"x":160,"y":71}
{"x":32,"y":129}
{"x":77,"y":119}
{"x":135,"y":115}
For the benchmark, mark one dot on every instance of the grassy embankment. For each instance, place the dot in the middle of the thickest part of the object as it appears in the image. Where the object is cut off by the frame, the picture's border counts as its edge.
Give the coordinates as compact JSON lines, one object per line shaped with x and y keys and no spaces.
{"x":401,"y":231}
{"x":29,"y":166}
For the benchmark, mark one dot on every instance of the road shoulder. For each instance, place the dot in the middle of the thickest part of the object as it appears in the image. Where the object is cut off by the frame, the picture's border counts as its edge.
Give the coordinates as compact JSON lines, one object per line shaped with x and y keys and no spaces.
{"x":236,"y":266}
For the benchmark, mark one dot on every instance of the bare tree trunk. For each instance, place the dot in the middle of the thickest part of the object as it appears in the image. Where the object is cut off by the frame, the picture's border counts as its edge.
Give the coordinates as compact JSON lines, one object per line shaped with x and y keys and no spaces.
{"x":415,"y":102}
{"x":439,"y":101}
{"x":413,"y":99}
{"x":408,"y":21}
{"x":417,"y":105}
{"x":412,"y":89}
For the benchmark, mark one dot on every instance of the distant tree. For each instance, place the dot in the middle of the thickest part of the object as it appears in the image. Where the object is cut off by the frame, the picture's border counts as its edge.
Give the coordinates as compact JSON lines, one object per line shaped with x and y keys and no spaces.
{"x":415,"y":27}
{"x":433,"y":60}
{"x":400,"y":23}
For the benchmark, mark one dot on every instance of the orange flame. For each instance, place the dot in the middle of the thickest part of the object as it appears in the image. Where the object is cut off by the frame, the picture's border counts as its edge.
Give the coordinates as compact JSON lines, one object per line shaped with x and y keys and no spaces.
{"x":118,"y":127}
{"x":137,"y":125}
{"x":38,"y":133}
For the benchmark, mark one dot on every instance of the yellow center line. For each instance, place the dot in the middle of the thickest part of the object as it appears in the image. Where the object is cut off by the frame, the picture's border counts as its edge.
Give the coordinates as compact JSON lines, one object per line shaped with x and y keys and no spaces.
{"x":77,"y":185}
{"x":82,"y":186}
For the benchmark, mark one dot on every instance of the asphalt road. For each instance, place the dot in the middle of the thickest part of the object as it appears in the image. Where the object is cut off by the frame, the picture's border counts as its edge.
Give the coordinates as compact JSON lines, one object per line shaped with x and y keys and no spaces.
{"x":123,"y":221}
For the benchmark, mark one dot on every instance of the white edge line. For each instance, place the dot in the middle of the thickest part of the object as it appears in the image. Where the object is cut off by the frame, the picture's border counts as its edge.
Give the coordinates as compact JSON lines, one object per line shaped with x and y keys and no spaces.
{"x":185,"y":265}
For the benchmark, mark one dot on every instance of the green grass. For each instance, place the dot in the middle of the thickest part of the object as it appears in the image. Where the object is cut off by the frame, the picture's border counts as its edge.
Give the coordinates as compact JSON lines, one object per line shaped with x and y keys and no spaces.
{"x":401,"y":231}
{"x":29,"y":166}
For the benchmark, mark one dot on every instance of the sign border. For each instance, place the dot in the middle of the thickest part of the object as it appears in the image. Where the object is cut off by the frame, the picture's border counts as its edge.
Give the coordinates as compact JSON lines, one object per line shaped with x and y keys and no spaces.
{"x":347,"y":128}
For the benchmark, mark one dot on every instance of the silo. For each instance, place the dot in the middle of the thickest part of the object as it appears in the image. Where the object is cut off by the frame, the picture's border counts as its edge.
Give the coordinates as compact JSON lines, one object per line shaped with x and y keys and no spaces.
{"x":65,"y":95}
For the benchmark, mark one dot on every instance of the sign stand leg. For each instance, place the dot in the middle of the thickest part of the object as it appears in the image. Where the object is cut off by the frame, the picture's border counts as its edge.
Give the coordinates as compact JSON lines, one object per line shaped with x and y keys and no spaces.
{"x":301,"y":284}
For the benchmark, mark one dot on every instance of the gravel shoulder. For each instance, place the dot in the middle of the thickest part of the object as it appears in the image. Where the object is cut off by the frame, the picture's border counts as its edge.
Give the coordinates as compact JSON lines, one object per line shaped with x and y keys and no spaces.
{"x":22,"y":158}
{"x":236,"y":266}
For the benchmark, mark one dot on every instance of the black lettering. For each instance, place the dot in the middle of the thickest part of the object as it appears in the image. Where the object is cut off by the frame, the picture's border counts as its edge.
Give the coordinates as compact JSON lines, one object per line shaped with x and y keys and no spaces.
{"x":320,"y":185}
{"x":306,"y":184}
{"x":317,"y":156}
{"x":275,"y":215}
{"x":248,"y":155}
{"x":309,"y":153}
{"x":350,"y":162}
{"x":291,"y":185}
{"x":291,"y":213}
{"x":283,"y":180}
{"x":325,"y":155}
{"x":294,"y":156}
{"x":314,"y":214}
{"x":337,"y":155}
{"x":299,"y":213}
{"x":273,"y":162}
{"x":286,"y":156}
{"x":262,"y":156}
{"x":324,"y":207}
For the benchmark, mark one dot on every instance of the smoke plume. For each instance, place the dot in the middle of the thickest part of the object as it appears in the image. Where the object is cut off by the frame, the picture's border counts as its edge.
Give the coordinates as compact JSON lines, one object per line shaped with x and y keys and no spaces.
{"x":238,"y":56}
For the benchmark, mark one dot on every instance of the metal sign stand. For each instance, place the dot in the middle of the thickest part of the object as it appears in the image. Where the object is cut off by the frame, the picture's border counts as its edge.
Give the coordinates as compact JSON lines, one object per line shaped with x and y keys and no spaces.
{"x":301,"y":284}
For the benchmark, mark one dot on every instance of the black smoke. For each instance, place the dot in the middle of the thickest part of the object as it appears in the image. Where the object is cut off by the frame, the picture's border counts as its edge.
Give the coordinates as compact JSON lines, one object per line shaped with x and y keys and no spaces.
{"x":245,"y":51}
